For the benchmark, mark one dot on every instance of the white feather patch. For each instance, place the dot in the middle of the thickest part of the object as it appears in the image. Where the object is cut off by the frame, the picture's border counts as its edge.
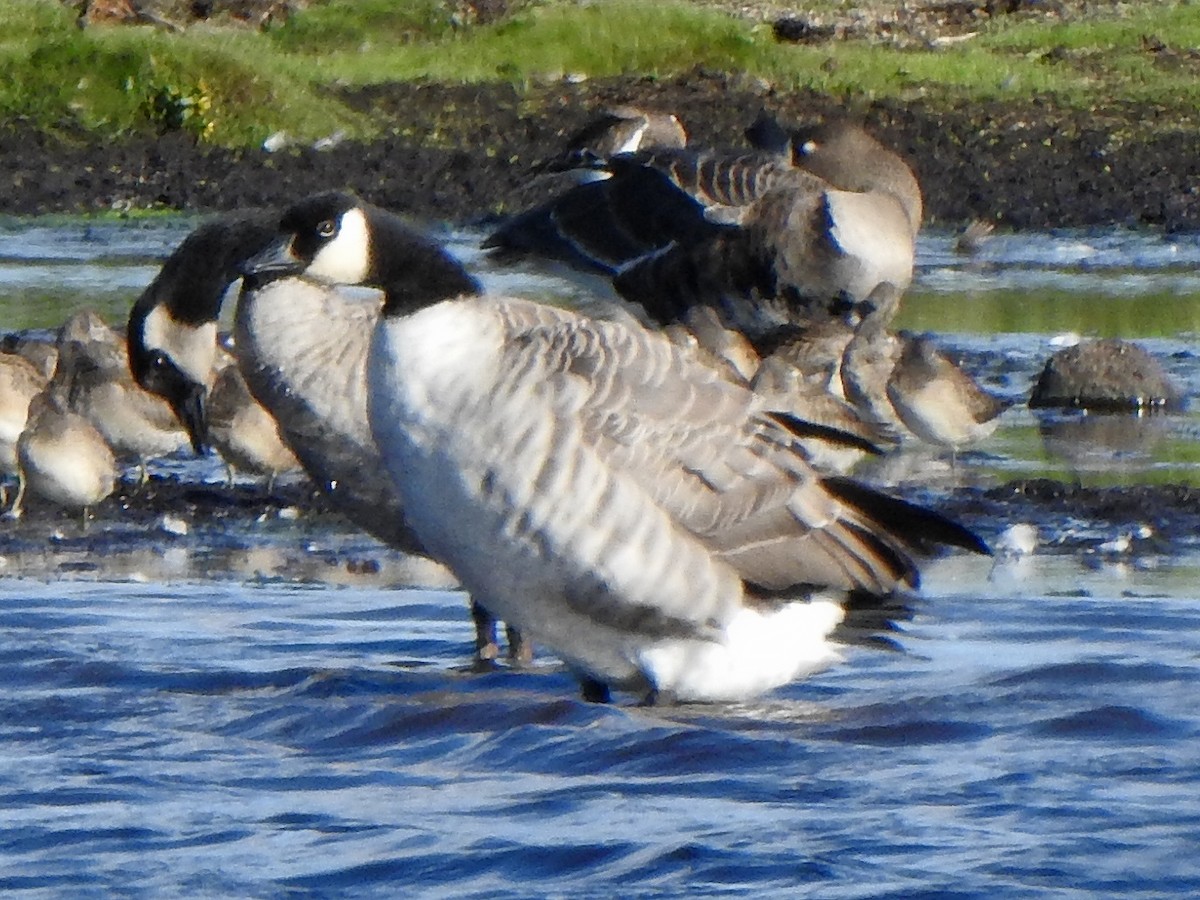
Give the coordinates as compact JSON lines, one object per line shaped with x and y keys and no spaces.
{"x":193,"y":348}
{"x":759,"y":651}
{"x":347,"y":258}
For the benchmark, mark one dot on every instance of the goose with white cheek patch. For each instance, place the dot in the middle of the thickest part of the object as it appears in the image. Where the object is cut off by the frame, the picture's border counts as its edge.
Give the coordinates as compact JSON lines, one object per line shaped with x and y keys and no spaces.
{"x":601,"y":487}
{"x":772,"y":240}
{"x":302,"y":349}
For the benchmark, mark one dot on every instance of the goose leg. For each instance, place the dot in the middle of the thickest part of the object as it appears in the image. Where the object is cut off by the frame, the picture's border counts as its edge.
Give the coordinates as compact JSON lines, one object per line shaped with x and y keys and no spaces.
{"x":486,"y":646}
{"x":594,"y":691}
{"x":520,"y":648}
{"x":17,"y":509}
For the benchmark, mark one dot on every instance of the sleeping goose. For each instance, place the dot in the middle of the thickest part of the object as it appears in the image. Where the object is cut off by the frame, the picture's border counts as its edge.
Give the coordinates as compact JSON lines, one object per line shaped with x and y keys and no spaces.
{"x":310,"y":376}
{"x":768,"y":239}
{"x":600,"y":486}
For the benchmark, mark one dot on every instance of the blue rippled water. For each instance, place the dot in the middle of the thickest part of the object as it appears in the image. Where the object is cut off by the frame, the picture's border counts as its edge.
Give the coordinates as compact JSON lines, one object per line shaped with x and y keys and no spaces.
{"x":1035,"y":735}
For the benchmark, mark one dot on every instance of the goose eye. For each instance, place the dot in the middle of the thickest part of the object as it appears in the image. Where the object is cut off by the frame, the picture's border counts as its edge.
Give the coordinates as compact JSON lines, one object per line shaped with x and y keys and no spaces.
{"x":808,"y":147}
{"x":327,"y":228}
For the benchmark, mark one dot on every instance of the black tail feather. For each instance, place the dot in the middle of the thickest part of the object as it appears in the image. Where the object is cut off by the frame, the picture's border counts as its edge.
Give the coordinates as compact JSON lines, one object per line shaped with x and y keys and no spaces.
{"x":804,"y":429}
{"x":918,"y":526}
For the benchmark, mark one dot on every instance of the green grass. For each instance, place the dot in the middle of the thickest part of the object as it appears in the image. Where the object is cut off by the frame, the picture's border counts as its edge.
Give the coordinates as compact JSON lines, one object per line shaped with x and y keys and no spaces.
{"x":1114,"y":314}
{"x":234,"y":88}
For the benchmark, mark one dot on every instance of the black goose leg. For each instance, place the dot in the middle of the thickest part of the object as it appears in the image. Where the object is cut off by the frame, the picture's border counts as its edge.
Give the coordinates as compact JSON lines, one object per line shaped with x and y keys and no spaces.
{"x":520,"y":648}
{"x":594,"y":691}
{"x":486,"y":647}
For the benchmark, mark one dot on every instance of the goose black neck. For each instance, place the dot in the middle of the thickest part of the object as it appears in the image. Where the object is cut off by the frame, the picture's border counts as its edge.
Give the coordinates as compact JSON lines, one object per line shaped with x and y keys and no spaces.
{"x":193,"y":280}
{"x":412,"y":270}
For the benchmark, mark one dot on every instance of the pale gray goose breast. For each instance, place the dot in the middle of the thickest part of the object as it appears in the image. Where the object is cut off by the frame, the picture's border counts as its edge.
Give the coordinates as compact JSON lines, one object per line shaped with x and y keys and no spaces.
{"x":601,"y":486}
{"x":302,"y":348}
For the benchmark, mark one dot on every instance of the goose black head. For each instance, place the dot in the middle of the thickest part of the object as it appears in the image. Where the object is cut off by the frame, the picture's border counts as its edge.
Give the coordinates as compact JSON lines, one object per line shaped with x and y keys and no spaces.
{"x":336,"y":238}
{"x":172,"y":330}
{"x":325,"y":237}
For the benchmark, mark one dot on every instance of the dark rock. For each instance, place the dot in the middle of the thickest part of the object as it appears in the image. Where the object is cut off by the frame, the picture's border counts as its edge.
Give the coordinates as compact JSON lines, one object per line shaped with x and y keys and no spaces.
{"x":1109,"y":375}
{"x":794,"y":30}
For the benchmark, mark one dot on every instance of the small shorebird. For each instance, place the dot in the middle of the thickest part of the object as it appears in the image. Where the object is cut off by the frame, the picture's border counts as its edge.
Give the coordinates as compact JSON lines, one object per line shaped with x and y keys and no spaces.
{"x":137,"y":424}
{"x":20,"y":382}
{"x":243,"y":432}
{"x":62,"y":457}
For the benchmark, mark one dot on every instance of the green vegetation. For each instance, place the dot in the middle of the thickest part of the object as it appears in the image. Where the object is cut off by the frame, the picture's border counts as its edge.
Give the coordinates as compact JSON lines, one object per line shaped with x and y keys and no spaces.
{"x":236,"y":87}
{"x":1119,"y":312}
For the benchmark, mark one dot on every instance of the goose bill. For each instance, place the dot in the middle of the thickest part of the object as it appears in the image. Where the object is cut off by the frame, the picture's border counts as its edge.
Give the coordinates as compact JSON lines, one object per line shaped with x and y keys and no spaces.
{"x":278,"y":261}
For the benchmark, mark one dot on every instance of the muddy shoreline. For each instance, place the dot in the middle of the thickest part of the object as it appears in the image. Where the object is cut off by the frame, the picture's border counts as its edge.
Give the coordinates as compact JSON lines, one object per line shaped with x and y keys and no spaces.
{"x":461,"y":154}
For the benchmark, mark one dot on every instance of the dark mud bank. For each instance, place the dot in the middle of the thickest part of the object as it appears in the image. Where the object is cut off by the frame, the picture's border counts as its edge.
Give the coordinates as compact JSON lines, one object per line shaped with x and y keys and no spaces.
{"x":462,"y":153}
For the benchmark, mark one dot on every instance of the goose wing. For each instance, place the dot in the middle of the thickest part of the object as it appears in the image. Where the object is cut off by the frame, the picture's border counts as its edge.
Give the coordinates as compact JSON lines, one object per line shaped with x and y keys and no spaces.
{"x":724,"y":470}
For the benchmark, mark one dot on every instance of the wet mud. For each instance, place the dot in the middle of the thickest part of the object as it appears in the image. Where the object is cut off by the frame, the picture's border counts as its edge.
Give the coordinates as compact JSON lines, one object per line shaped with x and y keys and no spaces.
{"x":176,"y":528}
{"x":462,"y":153}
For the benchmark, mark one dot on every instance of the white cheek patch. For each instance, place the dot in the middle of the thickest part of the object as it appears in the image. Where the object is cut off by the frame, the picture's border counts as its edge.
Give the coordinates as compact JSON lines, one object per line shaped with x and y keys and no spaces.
{"x":192,"y":348}
{"x":345,"y":259}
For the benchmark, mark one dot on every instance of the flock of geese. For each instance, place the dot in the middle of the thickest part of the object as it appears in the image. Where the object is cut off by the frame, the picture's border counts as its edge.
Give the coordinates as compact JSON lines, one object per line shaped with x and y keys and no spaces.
{"x":655,"y":490}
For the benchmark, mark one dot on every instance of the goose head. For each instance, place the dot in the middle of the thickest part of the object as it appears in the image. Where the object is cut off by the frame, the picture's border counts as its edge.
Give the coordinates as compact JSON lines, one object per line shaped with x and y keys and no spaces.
{"x":336,"y":238}
{"x":172,"y":330}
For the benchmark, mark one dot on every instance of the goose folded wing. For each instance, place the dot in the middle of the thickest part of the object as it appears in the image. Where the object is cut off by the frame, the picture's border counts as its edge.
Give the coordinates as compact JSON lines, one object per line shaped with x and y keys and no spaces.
{"x":724,"y":471}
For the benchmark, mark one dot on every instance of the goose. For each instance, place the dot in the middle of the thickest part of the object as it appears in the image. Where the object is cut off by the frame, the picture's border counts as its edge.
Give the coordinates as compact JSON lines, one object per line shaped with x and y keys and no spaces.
{"x":613,"y":130}
{"x":309,"y":375}
{"x":600,"y":486}
{"x":847,"y":157}
{"x":62,"y":456}
{"x":769,"y":239}
{"x":617,"y":129}
{"x":172,"y":330}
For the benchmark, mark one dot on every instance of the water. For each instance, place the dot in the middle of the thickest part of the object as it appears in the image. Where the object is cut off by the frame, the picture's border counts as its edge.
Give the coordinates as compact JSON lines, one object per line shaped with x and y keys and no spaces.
{"x":244,"y":713}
